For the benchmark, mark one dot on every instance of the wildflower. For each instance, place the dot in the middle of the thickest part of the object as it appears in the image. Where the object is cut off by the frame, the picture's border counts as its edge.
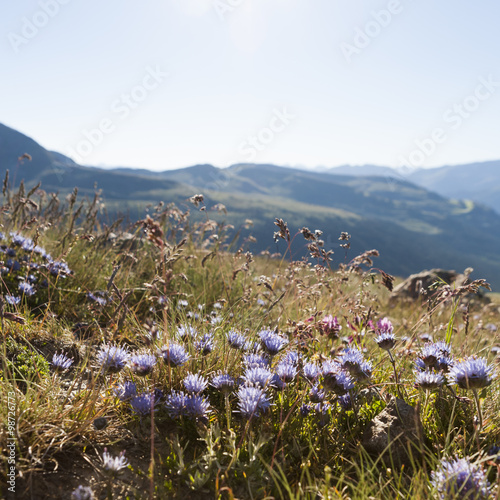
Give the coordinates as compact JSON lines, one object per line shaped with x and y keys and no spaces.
{"x":82,"y":493}
{"x":17,"y":239}
{"x":428,"y":380}
{"x":60,"y":269}
{"x":273,"y":343}
{"x":330,"y":326}
{"x":182,"y":303}
{"x":255,"y":360}
{"x":316,"y":394}
{"x":197,"y":406}
{"x":286,"y":371}
{"x":323,"y":413}
{"x":126,"y":390}
{"x":205,"y":345}
{"x":386,"y":341}
{"x":460,"y":479}
{"x":277,"y":383}
{"x":235,"y":340}
{"x":141,"y":404}
{"x":184,"y":332}
{"x":174,"y":354}
{"x":195,"y":383}
{"x":311,"y":371}
{"x":352,"y":360}
{"x":142,"y":364}
{"x":113,"y":465}
{"x":216,"y":320}
{"x":336,"y":379}
{"x":26,"y":288}
{"x":345,"y":401}
{"x":61,"y":362}
{"x":223,"y":382}
{"x":252,"y":347}
{"x":258,"y":376}
{"x":12,"y":300}
{"x":13,"y":266}
{"x":252,"y":401}
{"x":471,"y":373}
{"x":384,"y":325}
{"x":292,"y":357}
{"x":176,"y":404}
{"x":112,"y":358}
{"x":305,"y":409}
{"x":431,"y":353}
{"x":97,"y":298}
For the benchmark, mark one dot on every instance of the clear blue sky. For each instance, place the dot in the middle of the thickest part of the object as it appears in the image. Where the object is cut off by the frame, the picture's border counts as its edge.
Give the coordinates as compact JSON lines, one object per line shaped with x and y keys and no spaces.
{"x":307,"y":83}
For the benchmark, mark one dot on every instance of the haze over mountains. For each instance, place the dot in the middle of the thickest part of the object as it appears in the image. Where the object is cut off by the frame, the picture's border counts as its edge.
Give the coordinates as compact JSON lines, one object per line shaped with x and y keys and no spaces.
{"x":417,"y":221}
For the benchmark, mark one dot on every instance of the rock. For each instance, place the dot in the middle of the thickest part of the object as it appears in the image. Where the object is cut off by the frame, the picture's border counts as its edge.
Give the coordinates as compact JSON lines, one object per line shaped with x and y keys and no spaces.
{"x":395,"y":435}
{"x":411,"y":287}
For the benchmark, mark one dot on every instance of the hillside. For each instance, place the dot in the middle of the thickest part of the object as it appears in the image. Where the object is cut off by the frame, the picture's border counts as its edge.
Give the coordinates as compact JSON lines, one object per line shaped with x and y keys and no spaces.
{"x":479,"y":182}
{"x":412,"y":227}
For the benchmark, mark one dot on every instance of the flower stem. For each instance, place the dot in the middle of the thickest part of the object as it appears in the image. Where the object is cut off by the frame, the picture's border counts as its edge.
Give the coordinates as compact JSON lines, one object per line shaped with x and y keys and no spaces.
{"x":478,"y":405}
{"x":395,"y":374}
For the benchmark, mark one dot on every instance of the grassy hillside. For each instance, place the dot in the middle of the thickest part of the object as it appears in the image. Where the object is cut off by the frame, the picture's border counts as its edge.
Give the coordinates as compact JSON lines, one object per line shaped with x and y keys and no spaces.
{"x":152,"y":363}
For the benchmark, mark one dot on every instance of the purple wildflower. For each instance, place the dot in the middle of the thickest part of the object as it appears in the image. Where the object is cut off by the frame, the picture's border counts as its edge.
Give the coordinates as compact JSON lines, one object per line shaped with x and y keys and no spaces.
{"x":61,"y":362}
{"x":26,"y":288}
{"x":472,"y":373}
{"x":330,"y":326}
{"x":126,"y":390}
{"x":252,"y":401}
{"x":12,"y":300}
{"x":311,"y":371}
{"x":273,"y":343}
{"x":428,"y":380}
{"x":142,"y":364}
{"x":286,"y":371}
{"x":195,"y":383}
{"x":113,"y":465}
{"x":205,"y":345}
{"x":386,"y":341}
{"x":384,"y":325}
{"x":197,"y":407}
{"x":223,"y":382}
{"x":112,"y":358}
{"x":174,"y":354}
{"x":141,"y":404}
{"x":460,"y":479}
{"x":258,"y":376}
{"x":176,"y":404}
{"x":82,"y":493}
{"x":336,"y":379}
{"x":235,"y":340}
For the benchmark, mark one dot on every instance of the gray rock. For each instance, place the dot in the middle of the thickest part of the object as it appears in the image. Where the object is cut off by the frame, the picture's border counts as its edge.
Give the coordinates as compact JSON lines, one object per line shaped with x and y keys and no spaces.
{"x":412,"y":287}
{"x":395,"y":435}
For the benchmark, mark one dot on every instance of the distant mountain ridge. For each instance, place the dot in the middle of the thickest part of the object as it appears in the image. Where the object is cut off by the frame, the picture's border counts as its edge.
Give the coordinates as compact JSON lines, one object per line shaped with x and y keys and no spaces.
{"x":479,"y":182}
{"x":412,"y":227}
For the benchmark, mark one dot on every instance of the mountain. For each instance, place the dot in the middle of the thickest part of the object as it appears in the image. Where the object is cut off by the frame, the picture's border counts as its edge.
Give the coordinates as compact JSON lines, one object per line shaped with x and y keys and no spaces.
{"x":479,"y":182}
{"x":59,"y":173}
{"x":412,"y":227}
{"x":364,"y":170}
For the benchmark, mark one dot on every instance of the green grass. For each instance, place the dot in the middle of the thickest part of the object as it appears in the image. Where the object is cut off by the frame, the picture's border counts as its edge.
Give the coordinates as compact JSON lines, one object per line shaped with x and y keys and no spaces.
{"x":174,"y":270}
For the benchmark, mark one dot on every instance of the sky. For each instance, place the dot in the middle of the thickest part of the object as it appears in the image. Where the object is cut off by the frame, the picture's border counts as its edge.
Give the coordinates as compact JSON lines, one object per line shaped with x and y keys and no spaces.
{"x":164,"y":84}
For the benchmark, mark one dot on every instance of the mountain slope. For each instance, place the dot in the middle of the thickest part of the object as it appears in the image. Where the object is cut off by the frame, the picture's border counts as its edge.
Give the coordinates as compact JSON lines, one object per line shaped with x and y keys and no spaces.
{"x":479,"y":182}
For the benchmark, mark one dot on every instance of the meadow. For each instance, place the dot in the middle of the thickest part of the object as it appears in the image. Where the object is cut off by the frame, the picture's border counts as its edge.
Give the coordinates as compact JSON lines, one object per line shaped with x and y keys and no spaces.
{"x":163,"y":359}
